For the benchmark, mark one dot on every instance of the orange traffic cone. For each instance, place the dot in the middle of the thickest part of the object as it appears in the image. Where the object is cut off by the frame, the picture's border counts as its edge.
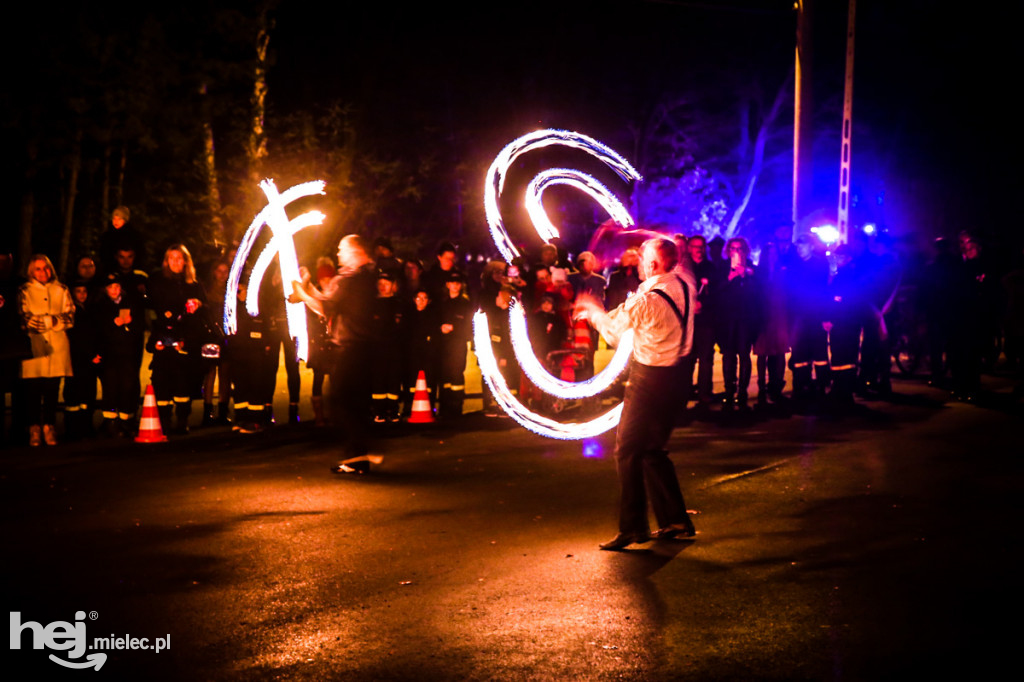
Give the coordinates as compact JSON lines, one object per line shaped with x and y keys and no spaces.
{"x":421,"y":412}
{"x":149,"y":424}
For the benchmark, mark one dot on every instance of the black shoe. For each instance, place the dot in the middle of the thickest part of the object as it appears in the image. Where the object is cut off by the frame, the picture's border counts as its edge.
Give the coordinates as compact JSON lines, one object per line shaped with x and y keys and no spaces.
{"x":623,"y":540}
{"x":677,"y":531}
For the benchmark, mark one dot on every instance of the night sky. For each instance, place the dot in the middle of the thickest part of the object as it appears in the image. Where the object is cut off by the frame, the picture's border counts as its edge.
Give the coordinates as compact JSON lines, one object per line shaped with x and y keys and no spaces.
{"x":932,"y":118}
{"x":935,"y":130}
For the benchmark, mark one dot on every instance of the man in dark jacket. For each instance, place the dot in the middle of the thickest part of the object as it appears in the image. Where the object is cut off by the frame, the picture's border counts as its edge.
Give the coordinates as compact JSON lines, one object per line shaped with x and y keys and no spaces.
{"x":347,"y":303}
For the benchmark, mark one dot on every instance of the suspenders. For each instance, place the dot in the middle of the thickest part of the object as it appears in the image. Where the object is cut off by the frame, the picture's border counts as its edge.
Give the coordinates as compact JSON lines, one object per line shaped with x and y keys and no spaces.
{"x":682,"y":319}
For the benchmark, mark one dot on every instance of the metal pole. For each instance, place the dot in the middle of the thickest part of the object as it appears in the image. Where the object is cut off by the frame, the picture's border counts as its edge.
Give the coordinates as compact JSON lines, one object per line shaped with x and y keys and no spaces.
{"x":802,"y":111}
{"x":845,"y":153}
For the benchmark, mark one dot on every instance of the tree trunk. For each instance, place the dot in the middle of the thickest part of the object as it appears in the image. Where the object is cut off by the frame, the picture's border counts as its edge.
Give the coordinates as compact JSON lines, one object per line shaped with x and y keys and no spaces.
{"x":75,"y":165}
{"x":758,"y":161}
{"x":219,"y":236}
{"x":257,"y":148}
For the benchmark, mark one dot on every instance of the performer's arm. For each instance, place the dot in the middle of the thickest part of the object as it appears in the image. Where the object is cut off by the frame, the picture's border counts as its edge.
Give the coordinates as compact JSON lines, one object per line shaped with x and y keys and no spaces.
{"x":304,"y":291}
{"x":611,"y":325}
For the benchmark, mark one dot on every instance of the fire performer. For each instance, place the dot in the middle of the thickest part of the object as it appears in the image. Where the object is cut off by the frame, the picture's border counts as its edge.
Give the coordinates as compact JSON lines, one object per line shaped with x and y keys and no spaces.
{"x":661,"y":317}
{"x":347,"y":303}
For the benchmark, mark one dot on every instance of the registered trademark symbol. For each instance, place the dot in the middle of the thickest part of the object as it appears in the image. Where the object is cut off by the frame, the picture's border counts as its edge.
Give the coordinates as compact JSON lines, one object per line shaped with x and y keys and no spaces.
{"x":93,"y":615}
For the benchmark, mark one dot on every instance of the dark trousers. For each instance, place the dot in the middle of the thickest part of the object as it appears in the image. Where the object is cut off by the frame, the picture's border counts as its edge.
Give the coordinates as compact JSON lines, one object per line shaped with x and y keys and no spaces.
{"x":703,"y":355}
{"x":42,"y":400}
{"x":734,"y":386}
{"x":291,"y":367}
{"x":350,"y":397}
{"x":771,"y":376}
{"x":652,"y":397}
{"x":120,"y":377}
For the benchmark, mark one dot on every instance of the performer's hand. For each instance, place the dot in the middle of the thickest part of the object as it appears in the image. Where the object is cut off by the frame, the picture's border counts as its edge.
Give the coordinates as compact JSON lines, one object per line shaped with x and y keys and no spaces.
{"x":304,"y":275}
{"x":446,"y":328}
{"x":192,"y":305}
{"x":827,"y":326}
{"x":295,"y":297}
{"x":586,"y":307}
{"x":97,"y":360}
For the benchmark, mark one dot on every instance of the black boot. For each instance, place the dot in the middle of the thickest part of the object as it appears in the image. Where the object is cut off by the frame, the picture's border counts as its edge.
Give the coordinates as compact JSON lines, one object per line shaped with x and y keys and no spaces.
{"x":293,"y":413}
{"x":208,"y":415}
{"x":182,"y":411}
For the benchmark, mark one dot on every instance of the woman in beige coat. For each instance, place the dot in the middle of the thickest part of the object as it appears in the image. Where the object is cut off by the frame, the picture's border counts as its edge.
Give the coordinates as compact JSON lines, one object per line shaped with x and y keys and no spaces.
{"x":46,"y":312}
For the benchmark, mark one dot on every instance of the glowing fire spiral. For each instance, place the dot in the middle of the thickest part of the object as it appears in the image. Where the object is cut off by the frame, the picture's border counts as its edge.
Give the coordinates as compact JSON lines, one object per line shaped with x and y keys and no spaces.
{"x":282,"y":244}
{"x":517,"y":318}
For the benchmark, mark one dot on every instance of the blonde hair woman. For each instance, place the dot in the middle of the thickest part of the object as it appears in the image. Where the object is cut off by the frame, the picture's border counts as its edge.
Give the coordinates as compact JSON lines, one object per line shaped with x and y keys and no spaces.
{"x":46,"y":312}
{"x":179,"y":303}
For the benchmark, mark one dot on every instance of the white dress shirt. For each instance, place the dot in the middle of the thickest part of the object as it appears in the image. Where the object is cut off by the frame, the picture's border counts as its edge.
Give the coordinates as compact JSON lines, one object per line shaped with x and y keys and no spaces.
{"x":658,"y":340}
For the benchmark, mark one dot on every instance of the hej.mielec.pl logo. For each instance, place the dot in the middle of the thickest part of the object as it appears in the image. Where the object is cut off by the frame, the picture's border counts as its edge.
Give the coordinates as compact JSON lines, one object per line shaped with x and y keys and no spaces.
{"x":71,"y":638}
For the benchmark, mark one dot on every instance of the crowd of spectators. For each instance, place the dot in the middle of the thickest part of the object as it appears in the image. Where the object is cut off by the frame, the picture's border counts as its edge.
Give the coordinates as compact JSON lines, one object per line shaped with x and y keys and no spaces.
{"x":836,"y":315}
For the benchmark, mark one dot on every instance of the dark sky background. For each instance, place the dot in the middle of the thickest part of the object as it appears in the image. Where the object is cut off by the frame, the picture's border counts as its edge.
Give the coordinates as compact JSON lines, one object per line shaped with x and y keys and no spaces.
{"x":935,"y":105}
{"x":934,"y":127}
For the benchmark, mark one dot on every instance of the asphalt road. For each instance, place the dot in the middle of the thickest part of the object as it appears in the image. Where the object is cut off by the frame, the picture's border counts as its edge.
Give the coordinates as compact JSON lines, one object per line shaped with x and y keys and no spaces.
{"x":881,"y":545}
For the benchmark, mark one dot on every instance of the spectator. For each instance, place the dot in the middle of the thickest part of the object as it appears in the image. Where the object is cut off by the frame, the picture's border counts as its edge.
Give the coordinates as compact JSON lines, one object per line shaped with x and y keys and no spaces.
{"x":320,"y":346}
{"x":739,"y":317}
{"x":501,"y":342}
{"x":807,"y":287}
{"x":411,"y":279}
{"x":385,"y":260}
{"x":120,"y":324}
{"x":133,"y":281}
{"x":773,"y":339}
{"x":85,"y":272}
{"x":624,"y":280}
{"x":386,"y":374}
{"x":216,"y":288}
{"x":421,"y":342}
{"x":80,"y":387}
{"x":435,"y":280}
{"x":179,"y":303}
{"x":252,"y":355}
{"x":274,"y":313}
{"x":120,"y":235}
{"x":47,"y":312}
{"x":846,"y":317}
{"x":702,"y":357}
{"x":455,"y":323}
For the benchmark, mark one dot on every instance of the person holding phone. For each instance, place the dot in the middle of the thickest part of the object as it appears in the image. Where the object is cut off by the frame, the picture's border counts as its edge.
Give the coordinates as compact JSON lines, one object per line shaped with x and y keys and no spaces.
{"x":119,"y":325}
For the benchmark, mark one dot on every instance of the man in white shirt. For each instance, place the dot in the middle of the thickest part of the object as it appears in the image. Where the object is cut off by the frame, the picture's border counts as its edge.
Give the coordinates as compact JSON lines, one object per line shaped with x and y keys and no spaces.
{"x":660,"y":314}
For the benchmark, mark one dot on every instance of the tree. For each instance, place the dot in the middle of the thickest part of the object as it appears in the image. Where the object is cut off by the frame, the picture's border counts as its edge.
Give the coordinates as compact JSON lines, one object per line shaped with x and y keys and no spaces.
{"x":694,"y":152}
